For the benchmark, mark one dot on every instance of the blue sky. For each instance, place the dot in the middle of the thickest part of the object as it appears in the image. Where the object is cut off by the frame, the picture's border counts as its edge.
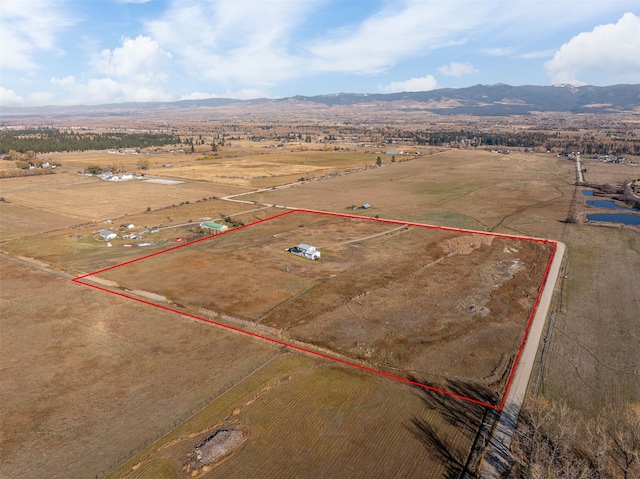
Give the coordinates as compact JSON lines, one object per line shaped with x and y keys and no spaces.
{"x":109,"y":51}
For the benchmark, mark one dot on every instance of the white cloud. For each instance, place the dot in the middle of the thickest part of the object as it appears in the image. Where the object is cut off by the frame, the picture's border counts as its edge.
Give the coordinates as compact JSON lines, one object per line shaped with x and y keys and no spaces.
{"x":255,"y":44}
{"x":133,"y":1}
{"x":497,"y":52}
{"x":457,"y":69}
{"x":27,"y":28}
{"x":234,"y":43}
{"x":141,"y":60}
{"x":107,"y":90}
{"x":41,"y":98}
{"x":414,"y":84}
{"x":402,"y":30}
{"x":10,"y":98}
{"x":536,"y":54}
{"x":132,"y":72}
{"x":611,"y":50}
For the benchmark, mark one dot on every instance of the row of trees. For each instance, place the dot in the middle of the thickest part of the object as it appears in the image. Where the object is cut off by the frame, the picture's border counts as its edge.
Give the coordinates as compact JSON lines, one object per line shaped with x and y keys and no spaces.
{"x":529,"y":139}
{"x":553,"y":441}
{"x":49,"y":140}
{"x":117,"y":167}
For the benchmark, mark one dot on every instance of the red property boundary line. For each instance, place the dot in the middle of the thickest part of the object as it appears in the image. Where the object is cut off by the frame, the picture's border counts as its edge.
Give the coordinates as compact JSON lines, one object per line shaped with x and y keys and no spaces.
{"x":499,"y":407}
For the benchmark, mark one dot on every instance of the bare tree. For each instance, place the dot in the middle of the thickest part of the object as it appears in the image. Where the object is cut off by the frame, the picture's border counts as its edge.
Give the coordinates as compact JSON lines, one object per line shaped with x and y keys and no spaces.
{"x":554,"y":441}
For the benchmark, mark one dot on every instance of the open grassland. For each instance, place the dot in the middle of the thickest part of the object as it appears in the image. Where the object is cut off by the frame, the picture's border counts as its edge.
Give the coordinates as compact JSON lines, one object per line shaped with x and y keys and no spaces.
{"x":92,"y":199}
{"x":20,"y":221}
{"x":88,"y":378}
{"x":304,"y":418}
{"x":609,"y":173}
{"x":436,"y":305}
{"x":519,"y":193}
{"x":80,"y":249}
{"x":593,"y":359}
{"x":273,"y":168}
{"x":245,"y":164}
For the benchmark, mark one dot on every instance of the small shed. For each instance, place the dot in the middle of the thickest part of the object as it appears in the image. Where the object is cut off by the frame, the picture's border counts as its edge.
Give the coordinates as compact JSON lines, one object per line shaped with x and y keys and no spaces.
{"x":216,"y":228}
{"x":107,"y":234}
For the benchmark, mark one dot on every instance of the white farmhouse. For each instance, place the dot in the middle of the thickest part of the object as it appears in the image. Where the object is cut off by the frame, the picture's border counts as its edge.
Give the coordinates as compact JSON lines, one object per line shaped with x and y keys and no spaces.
{"x":107,"y":234}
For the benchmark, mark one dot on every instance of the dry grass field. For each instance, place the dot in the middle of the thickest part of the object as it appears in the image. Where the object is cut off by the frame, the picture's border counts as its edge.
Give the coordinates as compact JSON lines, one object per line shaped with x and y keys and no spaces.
{"x":79,"y":249}
{"x":593,"y":356}
{"x":594,"y":350}
{"x":527,"y":194}
{"x":88,"y":378}
{"x":91,"y":199}
{"x":304,"y":418}
{"x":611,"y":173}
{"x":271,"y":167}
{"x":432,"y":304}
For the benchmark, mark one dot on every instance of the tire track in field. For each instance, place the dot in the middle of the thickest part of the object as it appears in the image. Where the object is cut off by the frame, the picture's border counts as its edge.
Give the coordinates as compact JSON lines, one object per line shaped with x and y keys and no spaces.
{"x":526,"y":207}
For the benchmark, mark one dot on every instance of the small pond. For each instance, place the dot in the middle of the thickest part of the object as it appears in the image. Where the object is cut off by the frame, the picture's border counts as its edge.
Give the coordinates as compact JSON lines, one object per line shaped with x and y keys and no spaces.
{"x":587,"y":192}
{"x":624,"y":218}
{"x":608,"y":204}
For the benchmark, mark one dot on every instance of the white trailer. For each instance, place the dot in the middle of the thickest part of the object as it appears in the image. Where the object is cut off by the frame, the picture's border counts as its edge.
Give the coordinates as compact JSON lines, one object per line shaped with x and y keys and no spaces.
{"x":306,"y":251}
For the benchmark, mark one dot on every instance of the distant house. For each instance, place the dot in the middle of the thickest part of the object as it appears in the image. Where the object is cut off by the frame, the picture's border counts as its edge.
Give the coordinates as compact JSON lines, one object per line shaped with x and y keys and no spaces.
{"x":107,"y":234}
{"x":215,"y":228}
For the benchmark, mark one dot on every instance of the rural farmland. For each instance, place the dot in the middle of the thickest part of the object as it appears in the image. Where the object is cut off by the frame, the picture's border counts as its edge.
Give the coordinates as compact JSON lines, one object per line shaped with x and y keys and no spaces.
{"x":389,"y":356}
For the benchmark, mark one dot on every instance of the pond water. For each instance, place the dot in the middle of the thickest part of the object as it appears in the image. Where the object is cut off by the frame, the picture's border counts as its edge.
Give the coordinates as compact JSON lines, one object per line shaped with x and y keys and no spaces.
{"x":608,"y":204}
{"x":587,"y":193}
{"x":624,"y":218}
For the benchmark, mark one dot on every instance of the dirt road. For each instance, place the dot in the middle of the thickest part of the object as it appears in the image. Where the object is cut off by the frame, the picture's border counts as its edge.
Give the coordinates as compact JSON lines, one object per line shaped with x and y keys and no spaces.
{"x":497,"y":459}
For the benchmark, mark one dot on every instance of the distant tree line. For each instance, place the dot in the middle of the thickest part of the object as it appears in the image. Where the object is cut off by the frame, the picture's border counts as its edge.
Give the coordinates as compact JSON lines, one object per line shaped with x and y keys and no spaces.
{"x":46,"y":140}
{"x":587,"y":144}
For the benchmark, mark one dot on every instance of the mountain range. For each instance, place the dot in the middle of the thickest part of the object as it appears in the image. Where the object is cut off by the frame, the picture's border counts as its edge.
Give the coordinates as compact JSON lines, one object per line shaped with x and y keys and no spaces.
{"x":480,"y":100}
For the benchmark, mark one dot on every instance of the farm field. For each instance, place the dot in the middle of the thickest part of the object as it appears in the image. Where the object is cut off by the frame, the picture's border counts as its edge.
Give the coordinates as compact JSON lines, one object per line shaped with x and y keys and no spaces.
{"x":526,"y":194}
{"x":426,"y":303}
{"x":612,"y":173}
{"x":18,"y":221}
{"x":593,"y":355}
{"x":593,"y":352}
{"x":300,"y":417}
{"x":272,"y":167}
{"x":79,"y":249}
{"x":91,"y":199}
{"x":102,"y":377}
{"x":87,"y":378}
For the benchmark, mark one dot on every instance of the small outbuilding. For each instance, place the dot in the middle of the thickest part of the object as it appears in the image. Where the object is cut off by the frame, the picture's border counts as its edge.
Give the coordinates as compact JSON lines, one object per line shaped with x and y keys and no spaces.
{"x":306,"y":251}
{"x":107,"y":234}
{"x":215,"y":228}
